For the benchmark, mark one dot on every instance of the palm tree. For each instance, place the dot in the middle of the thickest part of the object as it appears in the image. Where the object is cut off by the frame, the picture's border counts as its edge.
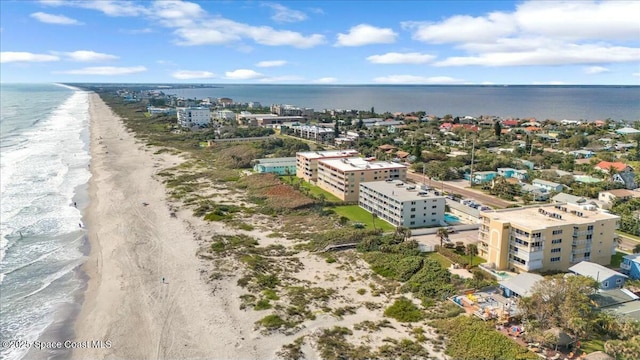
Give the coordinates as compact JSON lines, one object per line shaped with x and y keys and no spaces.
{"x":374,"y":216}
{"x":443,"y":235}
{"x":472,"y":250}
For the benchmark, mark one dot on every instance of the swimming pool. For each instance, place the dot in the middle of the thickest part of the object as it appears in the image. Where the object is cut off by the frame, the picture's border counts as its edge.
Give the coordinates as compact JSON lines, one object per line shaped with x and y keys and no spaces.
{"x":451,"y":219}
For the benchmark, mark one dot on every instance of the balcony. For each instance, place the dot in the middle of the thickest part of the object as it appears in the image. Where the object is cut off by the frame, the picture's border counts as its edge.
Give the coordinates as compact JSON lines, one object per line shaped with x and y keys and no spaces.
{"x":581,"y":251}
{"x":624,"y":266}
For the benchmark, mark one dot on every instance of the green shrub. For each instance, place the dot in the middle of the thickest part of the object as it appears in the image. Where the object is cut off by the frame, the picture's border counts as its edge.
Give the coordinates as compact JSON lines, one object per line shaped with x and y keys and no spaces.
{"x":272,"y":322}
{"x":361,"y":291}
{"x":404,"y":310}
{"x":270,"y":294}
{"x":262,"y":304}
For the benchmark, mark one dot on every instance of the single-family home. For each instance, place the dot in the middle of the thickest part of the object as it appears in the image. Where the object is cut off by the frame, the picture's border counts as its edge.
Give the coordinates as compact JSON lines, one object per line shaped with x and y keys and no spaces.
{"x":631,"y":266}
{"x":548,"y":185}
{"x":520,"y":285}
{"x":582,"y":154}
{"x":481,"y":177}
{"x":509,"y":123}
{"x":512,"y":173}
{"x":619,"y":172}
{"x":538,"y":193}
{"x":627,"y":131}
{"x":610,"y":196}
{"x":607,"y":278}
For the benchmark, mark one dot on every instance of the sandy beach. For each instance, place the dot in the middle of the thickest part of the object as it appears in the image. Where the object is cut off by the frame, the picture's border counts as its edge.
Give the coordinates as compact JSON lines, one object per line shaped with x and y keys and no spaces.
{"x":133,"y":247}
{"x":149,"y":294}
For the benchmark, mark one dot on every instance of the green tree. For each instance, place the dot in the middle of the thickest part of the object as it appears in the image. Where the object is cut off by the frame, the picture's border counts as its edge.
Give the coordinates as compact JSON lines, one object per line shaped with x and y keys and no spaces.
{"x":497,"y":129}
{"x":471,"y":250}
{"x":443,"y":235}
{"x":336,"y":130}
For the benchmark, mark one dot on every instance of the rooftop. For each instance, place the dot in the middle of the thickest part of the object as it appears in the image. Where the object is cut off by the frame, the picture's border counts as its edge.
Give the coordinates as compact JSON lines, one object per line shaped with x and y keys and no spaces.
{"x":354,"y":164}
{"x":594,"y":271}
{"x":399,"y":190}
{"x":521,"y":284}
{"x":328,"y":154}
{"x":539,"y":217}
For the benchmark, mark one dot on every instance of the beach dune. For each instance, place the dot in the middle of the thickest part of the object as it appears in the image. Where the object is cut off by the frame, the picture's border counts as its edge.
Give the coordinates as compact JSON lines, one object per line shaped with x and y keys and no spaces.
{"x":128,"y":312}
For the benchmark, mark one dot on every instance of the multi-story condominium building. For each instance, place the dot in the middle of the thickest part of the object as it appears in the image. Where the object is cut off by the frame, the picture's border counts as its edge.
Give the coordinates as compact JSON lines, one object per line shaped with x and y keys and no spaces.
{"x":549,"y":237}
{"x":224,"y":114}
{"x":402,"y":204}
{"x":307,"y":162}
{"x":317,"y":133}
{"x":194,"y":116}
{"x":290,"y":110}
{"x":342,"y":177}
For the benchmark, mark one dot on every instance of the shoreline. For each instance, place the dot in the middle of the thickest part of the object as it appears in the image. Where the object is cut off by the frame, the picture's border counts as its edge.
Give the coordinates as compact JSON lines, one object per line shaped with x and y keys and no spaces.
{"x":127,"y":311}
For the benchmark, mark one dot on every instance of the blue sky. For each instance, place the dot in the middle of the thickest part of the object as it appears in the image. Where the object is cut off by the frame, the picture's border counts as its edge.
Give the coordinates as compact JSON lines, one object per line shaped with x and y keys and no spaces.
{"x":324,"y":42}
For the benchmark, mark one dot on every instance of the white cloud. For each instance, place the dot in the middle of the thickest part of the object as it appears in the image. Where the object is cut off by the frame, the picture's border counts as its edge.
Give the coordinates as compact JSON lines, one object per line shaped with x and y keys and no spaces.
{"x":54,"y":19}
{"x":364,"y":34}
{"x":596,"y":69}
{"x":271,"y":63}
{"x":87,"y":56}
{"x":20,"y":56}
{"x":136,"y":31}
{"x":462,"y":28}
{"x":401,"y":58}
{"x":106,"y":70}
{"x":282,"y":13}
{"x":551,"y":55}
{"x":540,"y":33}
{"x":192,"y":74}
{"x":194,"y":26}
{"x":412,"y":79}
{"x":636,"y":74}
{"x":243,"y":74}
{"x":325,"y":80}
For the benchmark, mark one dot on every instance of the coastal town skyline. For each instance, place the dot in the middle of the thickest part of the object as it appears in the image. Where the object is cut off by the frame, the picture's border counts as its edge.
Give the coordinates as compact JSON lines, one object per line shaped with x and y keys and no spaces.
{"x":453,"y":43}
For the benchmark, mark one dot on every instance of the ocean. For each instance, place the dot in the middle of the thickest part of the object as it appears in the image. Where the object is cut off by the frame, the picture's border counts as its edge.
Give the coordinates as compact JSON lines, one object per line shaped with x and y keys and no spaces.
{"x":541,"y":102}
{"x":44,"y":158}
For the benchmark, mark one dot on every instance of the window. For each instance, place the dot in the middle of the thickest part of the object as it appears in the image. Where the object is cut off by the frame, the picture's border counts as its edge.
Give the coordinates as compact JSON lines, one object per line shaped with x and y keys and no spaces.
{"x":434,"y":206}
{"x":556,"y":241}
{"x":555,"y":250}
{"x":412,"y":223}
{"x":413,"y":216}
{"x":605,"y":284}
{"x":555,"y":259}
{"x":557,"y":232}
{"x":413,"y":209}
{"x":587,"y":254}
{"x":618,"y":281}
{"x":589,"y":237}
{"x":590,"y":227}
{"x":433,"y":213}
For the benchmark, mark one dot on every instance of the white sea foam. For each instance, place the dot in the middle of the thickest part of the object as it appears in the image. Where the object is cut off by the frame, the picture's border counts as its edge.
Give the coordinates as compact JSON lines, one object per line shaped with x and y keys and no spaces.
{"x":44,"y":160}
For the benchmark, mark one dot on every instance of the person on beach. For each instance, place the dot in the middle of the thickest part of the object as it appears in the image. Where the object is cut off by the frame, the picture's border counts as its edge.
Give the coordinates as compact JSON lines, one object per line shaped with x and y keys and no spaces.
{"x":163,"y":279}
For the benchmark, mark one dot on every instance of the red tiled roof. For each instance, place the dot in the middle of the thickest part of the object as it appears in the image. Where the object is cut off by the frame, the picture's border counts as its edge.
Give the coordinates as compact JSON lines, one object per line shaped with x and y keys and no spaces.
{"x":606,"y":165}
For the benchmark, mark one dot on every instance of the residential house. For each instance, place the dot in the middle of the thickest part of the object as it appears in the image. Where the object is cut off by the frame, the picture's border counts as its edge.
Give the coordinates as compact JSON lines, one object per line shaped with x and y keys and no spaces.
{"x":520,"y":285}
{"x":402,"y":204}
{"x":610,"y":196}
{"x":538,"y":193}
{"x":509,"y":123}
{"x":547,"y":237}
{"x":278,"y":166}
{"x":512,"y":173}
{"x":582,"y":154}
{"x":631,"y":266}
{"x":607,"y":278}
{"x":564,"y":198}
{"x":223,"y":115}
{"x":481,"y":177}
{"x":619,"y":172}
{"x":548,"y":185}
{"x":627,"y":131}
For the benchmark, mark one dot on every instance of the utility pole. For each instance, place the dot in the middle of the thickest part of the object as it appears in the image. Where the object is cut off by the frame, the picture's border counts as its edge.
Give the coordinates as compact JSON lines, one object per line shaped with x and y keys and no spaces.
{"x":423,"y":175}
{"x":473,"y":151}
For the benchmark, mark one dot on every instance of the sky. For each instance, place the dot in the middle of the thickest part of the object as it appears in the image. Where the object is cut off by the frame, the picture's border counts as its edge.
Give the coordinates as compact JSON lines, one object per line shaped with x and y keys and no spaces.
{"x":321,"y":42}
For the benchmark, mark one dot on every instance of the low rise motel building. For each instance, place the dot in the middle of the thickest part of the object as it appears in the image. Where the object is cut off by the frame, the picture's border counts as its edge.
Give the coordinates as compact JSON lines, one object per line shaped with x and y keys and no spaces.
{"x":307,"y":162}
{"x":401,"y":204}
{"x":549,"y":237}
{"x":342,"y":177}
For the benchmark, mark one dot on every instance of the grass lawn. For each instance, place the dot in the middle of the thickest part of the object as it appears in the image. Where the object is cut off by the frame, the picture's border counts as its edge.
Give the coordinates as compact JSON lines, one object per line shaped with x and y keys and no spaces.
{"x":477,"y":260}
{"x":592,"y":345}
{"x":313,"y":190}
{"x":446,"y":263}
{"x":359,"y":215}
{"x":616,"y":259}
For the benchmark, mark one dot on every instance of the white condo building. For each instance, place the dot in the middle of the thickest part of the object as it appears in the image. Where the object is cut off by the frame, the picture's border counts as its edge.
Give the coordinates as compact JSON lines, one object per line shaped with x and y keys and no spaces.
{"x":401,"y":204}
{"x":194,"y":116}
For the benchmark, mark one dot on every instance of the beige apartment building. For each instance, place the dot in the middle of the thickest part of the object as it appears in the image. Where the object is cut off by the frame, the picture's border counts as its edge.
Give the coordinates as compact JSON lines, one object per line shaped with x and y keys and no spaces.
{"x":342,"y":177}
{"x":307,"y":162}
{"x":549,"y":237}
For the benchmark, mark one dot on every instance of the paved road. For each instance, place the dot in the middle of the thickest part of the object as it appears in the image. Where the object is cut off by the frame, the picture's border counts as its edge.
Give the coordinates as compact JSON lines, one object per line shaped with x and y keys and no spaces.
{"x":452,"y":187}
